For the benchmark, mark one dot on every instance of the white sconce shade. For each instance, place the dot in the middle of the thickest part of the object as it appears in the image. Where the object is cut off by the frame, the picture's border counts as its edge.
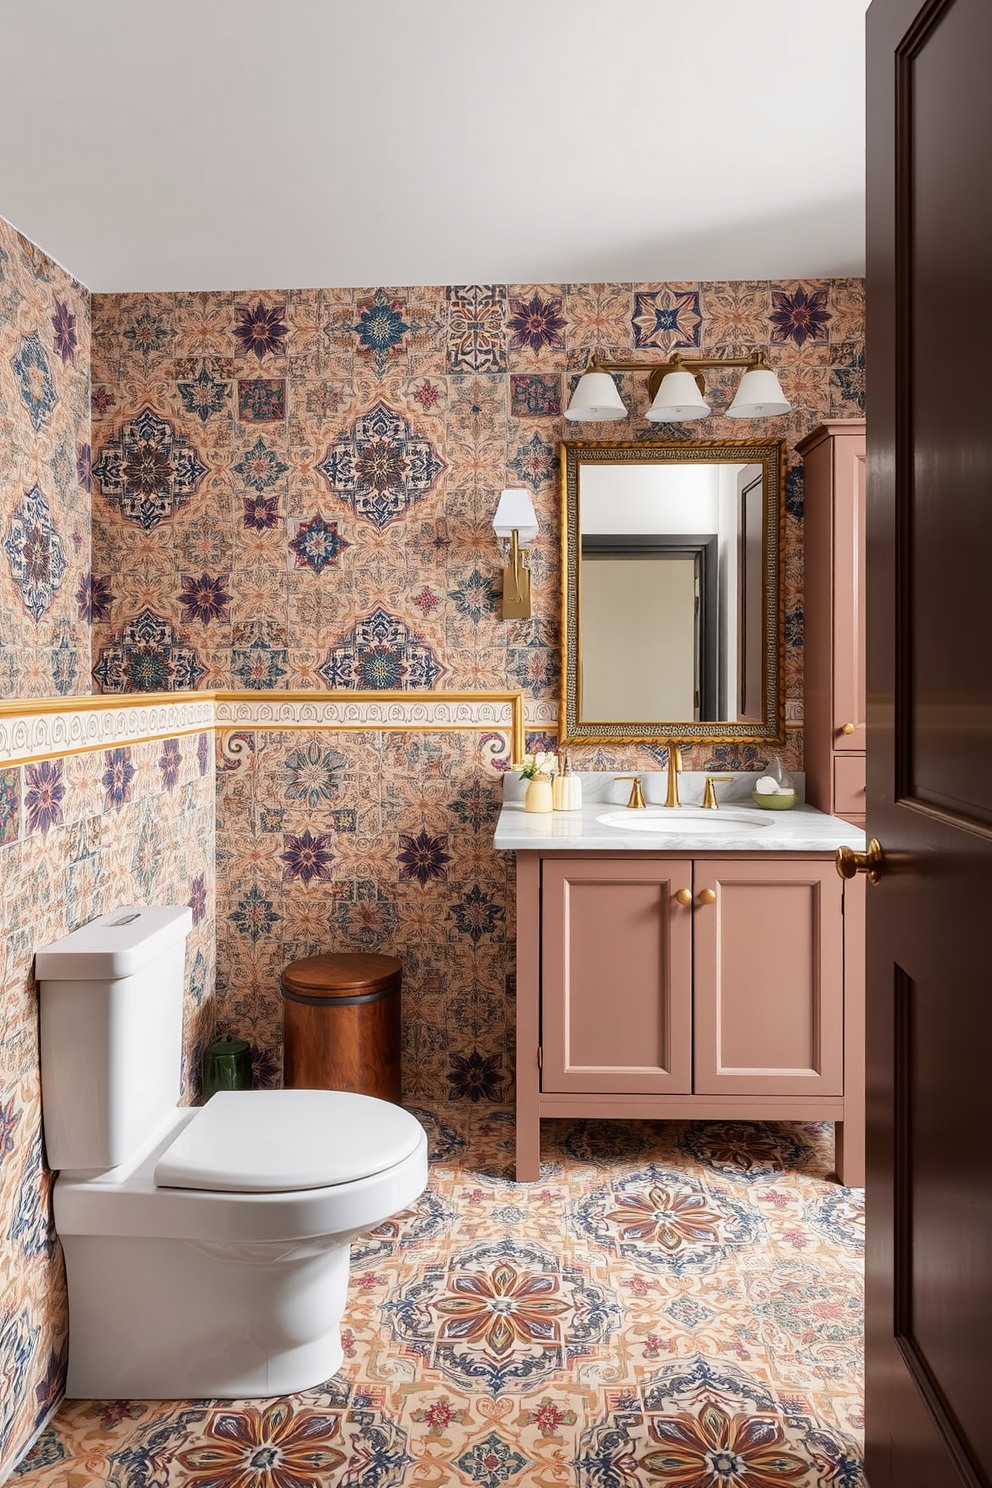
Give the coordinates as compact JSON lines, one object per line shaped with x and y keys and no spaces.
{"x":759,"y":395}
{"x":515,"y":513}
{"x":596,"y":399}
{"x":678,"y":400}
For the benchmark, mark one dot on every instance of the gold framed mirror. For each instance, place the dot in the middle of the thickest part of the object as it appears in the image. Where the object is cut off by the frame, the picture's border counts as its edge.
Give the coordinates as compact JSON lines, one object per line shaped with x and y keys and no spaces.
{"x":673,"y":615}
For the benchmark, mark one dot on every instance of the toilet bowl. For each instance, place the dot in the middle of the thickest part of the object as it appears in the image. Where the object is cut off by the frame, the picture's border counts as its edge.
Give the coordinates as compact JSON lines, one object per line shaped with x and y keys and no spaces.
{"x":206,"y":1249}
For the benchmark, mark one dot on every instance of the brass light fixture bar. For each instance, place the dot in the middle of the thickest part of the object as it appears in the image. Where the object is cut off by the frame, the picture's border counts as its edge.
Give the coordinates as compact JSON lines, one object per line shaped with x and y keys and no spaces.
{"x":657,"y":371}
{"x":677,"y":389}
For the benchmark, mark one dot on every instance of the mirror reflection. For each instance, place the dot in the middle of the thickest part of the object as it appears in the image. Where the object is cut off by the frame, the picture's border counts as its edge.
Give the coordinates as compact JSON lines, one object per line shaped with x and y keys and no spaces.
{"x":672,"y":583}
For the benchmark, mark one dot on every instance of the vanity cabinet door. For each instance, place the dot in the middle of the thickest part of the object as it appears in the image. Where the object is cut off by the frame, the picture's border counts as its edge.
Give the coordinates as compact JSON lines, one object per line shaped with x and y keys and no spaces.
{"x":616,"y":976}
{"x":769,"y":978}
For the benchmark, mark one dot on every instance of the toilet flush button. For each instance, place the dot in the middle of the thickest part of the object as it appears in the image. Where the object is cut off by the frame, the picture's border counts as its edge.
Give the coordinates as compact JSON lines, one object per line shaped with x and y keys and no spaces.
{"x":124,"y":920}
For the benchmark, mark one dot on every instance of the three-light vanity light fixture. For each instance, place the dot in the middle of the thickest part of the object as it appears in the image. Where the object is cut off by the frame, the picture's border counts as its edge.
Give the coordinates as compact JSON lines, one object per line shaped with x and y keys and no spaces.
{"x":677,"y":392}
{"x":676,"y":389}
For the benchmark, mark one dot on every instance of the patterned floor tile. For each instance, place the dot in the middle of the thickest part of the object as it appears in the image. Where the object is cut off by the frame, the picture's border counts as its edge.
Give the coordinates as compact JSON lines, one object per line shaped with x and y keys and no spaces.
{"x":671,"y":1304}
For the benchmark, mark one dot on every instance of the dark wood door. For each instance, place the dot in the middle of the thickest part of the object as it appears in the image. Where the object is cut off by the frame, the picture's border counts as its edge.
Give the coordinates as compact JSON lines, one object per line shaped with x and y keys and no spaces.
{"x":929,"y":1422}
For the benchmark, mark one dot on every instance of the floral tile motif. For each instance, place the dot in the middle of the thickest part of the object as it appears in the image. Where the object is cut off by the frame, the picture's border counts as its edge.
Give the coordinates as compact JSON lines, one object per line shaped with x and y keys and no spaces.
{"x":261,"y":400}
{"x":381,"y":465}
{"x":204,"y":395}
{"x":502,"y":1316}
{"x":259,"y":654}
{"x":380,"y":329}
{"x":839,"y":1217}
{"x":536,"y":323}
{"x":117,"y":778}
{"x":476,"y":328}
{"x":534,"y":463}
{"x":255,"y":915}
{"x":705,"y":1424}
{"x":380,"y":654}
{"x":64,"y":661}
{"x":492,"y":1462}
{"x":667,"y":1221}
{"x":147,"y":334}
{"x":94,"y":598}
{"x":752,"y":1151}
{"x":37,"y":386}
{"x":666,"y":318}
{"x":10,"y":818}
{"x":476,"y":597}
{"x":64,"y":328}
{"x":476,"y":1077}
{"x":535,"y":395}
{"x":424,"y":857}
{"x":148,"y":471}
{"x":148,"y":655}
{"x":318,"y":544}
{"x":260,"y":467}
{"x":205,"y":599}
{"x":260,"y":330}
{"x":800,"y":317}
{"x":35,"y":554}
{"x":44,"y":795}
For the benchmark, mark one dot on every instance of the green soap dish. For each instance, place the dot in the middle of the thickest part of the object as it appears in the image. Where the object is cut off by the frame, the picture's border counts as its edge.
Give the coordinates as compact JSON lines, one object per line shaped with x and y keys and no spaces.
{"x":782,"y":801}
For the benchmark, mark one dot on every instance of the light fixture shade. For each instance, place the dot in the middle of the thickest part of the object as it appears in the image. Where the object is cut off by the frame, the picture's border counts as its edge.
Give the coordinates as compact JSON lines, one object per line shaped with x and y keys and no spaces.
{"x":596,"y":399}
{"x":678,"y":400}
{"x":516,"y":510}
{"x":759,"y":395}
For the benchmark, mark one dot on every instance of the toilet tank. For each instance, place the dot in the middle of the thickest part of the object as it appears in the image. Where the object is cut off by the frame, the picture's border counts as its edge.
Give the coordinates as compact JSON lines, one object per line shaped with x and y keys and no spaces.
{"x":111,"y":998}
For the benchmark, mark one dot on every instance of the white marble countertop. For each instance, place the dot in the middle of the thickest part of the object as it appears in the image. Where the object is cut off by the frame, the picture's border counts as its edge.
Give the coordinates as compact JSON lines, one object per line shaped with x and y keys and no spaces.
{"x":803,"y":829}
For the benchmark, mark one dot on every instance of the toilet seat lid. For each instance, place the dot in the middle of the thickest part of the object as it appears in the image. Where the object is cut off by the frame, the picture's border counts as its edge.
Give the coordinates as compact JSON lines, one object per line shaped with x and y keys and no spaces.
{"x":276,"y":1141}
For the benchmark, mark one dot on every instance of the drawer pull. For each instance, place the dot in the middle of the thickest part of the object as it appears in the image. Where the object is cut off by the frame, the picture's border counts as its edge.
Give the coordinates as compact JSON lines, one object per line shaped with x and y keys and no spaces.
{"x":707,"y":896}
{"x":683,"y":896}
{"x":848,"y":728}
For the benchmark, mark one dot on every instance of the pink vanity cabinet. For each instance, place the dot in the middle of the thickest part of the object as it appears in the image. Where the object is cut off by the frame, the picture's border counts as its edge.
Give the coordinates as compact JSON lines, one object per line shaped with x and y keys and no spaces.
{"x":689,"y":985}
{"x":834,"y":618}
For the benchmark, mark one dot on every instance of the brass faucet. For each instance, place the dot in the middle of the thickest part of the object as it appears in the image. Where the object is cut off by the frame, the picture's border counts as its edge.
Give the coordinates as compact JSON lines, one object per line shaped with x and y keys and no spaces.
{"x":674,"y":771}
{"x":636,"y":802}
{"x":709,"y":791}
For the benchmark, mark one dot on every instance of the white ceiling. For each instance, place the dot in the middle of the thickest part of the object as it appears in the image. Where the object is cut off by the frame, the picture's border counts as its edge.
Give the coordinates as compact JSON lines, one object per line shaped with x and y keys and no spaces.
{"x":197,"y":144}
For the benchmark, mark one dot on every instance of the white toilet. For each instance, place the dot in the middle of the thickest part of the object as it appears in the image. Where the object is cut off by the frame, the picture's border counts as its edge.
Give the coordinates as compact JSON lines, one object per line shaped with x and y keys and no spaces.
{"x":206,"y":1249}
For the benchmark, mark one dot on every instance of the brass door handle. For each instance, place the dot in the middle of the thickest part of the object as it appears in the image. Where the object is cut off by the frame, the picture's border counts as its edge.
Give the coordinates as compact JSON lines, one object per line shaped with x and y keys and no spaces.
{"x":683,"y":896}
{"x":849,"y":863}
{"x":848,"y":728}
{"x":707,"y":896}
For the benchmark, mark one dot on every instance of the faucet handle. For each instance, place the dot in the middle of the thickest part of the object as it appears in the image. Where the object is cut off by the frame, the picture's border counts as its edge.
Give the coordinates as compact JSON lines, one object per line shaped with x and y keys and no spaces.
{"x":636,"y":802}
{"x":710,"y":801}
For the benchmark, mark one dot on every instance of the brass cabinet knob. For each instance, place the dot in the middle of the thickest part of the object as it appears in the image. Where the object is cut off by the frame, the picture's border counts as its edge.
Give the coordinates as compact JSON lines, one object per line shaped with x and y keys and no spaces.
{"x":849,"y":863}
{"x":707,"y":896}
{"x":848,"y":728}
{"x":683,"y":896}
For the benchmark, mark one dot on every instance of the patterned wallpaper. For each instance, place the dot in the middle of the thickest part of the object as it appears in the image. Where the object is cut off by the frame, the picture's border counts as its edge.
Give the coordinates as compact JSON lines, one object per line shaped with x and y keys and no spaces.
{"x":80,"y":835}
{"x":294,"y":489}
{"x":44,"y":474}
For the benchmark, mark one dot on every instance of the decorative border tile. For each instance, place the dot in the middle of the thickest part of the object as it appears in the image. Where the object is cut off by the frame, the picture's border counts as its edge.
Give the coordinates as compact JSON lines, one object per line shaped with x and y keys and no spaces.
{"x":38,"y":729}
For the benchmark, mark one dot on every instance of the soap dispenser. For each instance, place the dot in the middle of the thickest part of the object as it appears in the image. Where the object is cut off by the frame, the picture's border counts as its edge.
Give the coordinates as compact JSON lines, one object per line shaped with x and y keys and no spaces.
{"x":567,"y":788}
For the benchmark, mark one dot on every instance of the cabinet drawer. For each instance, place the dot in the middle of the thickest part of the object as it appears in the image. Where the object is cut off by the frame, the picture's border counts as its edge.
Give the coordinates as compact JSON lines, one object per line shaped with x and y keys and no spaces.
{"x":849,"y":785}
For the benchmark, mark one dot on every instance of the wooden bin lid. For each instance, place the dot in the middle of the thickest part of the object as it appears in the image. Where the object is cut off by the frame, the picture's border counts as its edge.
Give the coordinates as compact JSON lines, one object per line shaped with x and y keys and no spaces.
{"x":342,"y":974}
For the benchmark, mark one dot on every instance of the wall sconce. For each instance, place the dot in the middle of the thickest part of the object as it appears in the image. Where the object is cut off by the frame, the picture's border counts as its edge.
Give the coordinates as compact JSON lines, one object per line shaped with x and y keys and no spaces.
{"x":516,"y":519}
{"x":676,"y":390}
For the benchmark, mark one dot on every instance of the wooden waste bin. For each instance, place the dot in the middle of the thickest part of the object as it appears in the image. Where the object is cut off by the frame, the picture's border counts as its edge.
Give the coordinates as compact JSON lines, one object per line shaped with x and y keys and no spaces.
{"x":341,"y":1024}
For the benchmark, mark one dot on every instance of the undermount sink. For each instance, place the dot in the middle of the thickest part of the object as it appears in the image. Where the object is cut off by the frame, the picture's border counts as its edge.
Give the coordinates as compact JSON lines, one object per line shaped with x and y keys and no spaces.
{"x":686,"y":821}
